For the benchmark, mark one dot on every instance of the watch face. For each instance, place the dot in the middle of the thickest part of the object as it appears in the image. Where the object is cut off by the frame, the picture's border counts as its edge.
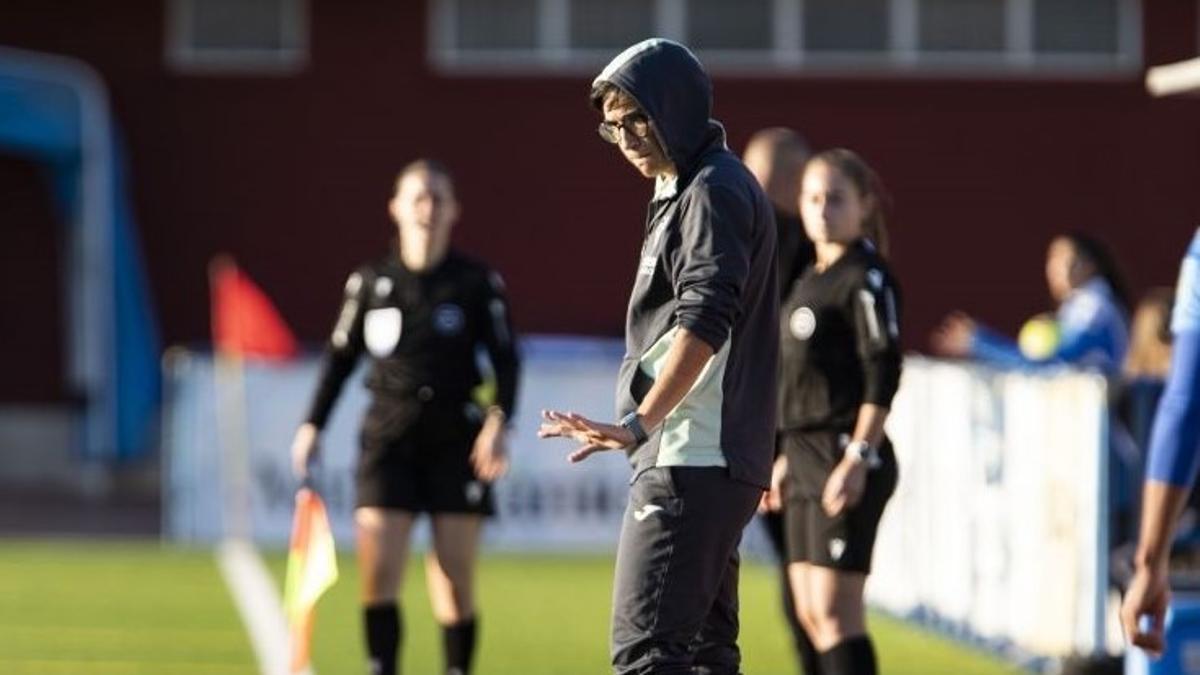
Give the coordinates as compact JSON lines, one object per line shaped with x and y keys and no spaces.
{"x":634,"y":424}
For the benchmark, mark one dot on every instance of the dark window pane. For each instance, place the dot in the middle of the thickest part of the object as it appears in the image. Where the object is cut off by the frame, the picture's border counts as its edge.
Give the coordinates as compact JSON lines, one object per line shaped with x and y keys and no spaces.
{"x":497,"y":24}
{"x":603,"y":24}
{"x":238,"y":24}
{"x":845,"y":25}
{"x":961,"y":25}
{"x":1075,"y":26}
{"x":724,"y":24}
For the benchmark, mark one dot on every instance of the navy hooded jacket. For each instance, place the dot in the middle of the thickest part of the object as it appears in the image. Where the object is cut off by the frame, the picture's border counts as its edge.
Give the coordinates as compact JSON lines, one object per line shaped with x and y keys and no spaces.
{"x":707,"y":265}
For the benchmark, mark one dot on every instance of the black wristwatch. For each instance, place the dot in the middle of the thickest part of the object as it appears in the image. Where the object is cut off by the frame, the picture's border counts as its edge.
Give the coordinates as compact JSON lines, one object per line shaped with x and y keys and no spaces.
{"x":633,"y":422}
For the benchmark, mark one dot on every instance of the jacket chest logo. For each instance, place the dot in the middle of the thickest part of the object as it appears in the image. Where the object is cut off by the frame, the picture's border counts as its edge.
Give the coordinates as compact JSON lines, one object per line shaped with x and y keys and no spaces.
{"x":651,"y":249}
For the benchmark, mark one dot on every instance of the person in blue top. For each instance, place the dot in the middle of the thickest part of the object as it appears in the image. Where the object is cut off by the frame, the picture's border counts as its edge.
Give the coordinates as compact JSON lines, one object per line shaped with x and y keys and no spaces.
{"x":1171,"y":466}
{"x":1091,"y":318}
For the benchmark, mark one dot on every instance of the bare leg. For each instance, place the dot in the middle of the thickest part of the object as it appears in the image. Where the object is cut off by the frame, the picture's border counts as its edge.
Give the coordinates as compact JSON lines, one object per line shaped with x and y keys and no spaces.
{"x":382,"y":551}
{"x":798,"y":582}
{"x":838,"y":618}
{"x":835,"y":606}
{"x":450,"y":575}
{"x":450,"y":567}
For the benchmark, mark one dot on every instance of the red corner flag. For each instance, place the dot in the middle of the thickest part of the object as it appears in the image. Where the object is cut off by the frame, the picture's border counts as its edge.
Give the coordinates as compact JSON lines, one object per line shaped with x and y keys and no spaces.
{"x":311,"y":569}
{"x":244,"y":321}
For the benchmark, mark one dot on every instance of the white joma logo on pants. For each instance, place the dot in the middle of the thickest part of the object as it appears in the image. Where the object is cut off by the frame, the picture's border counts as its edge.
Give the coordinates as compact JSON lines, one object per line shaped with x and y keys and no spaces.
{"x":644,"y":512}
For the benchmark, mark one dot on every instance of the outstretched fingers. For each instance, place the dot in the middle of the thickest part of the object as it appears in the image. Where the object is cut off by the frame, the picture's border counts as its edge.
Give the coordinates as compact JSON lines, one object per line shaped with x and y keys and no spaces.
{"x":593,"y":436}
{"x":584,"y":452}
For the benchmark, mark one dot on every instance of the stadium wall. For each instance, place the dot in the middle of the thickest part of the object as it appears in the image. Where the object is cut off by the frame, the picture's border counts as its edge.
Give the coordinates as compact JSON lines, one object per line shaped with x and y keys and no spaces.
{"x":291,"y":173}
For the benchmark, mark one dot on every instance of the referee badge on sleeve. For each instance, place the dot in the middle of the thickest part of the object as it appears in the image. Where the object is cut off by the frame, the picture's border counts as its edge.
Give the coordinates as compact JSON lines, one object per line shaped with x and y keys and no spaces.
{"x":381,"y":330}
{"x":802,"y":323}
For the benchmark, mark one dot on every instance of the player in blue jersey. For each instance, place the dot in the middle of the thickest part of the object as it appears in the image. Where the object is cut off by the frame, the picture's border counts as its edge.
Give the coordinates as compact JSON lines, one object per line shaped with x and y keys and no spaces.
{"x":1091,"y":317}
{"x":1171,"y":466}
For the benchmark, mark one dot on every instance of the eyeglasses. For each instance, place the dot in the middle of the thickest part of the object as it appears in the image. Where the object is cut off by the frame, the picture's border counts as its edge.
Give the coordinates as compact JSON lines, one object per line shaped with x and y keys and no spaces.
{"x":635,"y":123}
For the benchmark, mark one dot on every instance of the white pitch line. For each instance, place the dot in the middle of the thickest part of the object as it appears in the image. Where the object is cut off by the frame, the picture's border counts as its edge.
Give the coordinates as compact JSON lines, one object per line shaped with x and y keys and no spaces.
{"x":259,"y":605}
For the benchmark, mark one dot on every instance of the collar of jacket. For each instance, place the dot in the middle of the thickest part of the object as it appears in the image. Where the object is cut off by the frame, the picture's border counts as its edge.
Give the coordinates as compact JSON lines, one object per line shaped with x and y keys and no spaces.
{"x":669,"y":187}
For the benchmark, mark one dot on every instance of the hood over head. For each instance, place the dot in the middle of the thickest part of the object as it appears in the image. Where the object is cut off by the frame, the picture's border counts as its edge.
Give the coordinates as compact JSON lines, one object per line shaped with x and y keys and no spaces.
{"x":669,"y":84}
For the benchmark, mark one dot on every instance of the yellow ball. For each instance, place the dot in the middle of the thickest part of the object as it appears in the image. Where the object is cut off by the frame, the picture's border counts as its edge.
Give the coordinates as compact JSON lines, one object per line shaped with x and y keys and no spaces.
{"x":1039,"y":337}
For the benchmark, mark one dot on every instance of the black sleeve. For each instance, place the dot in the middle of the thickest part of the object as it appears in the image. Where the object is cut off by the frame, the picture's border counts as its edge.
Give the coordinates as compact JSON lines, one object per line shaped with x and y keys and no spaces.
{"x":343,"y":349}
{"x":875,"y":305}
{"x":711,"y":262}
{"x":501,"y":345}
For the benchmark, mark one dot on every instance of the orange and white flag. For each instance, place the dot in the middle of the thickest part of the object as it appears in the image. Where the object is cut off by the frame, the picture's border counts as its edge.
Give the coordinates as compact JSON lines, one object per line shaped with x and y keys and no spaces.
{"x":311,"y":570}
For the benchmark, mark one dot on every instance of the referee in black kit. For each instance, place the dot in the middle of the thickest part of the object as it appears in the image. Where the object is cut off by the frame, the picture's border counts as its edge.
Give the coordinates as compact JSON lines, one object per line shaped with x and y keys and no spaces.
{"x":841,"y":359}
{"x":694,"y":392}
{"x":427,"y":446}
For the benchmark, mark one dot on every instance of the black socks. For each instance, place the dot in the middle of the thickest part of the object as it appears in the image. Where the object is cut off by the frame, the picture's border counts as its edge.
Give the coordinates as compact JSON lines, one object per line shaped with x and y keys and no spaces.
{"x":810,"y":658}
{"x":853,"y":656}
{"x":458,"y":644}
{"x":384,"y":633}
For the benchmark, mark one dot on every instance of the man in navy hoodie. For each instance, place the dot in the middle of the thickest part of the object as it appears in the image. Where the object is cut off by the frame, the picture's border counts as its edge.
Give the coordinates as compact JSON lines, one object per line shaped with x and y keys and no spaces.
{"x":695,"y":393}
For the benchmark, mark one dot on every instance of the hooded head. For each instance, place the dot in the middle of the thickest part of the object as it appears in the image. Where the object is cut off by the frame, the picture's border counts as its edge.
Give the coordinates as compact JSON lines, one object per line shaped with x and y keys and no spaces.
{"x":670,"y":86}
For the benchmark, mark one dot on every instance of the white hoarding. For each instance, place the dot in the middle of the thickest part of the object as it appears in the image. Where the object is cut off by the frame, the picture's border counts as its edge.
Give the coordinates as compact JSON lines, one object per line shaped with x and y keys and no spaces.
{"x":217,"y":416}
{"x":998,"y":528}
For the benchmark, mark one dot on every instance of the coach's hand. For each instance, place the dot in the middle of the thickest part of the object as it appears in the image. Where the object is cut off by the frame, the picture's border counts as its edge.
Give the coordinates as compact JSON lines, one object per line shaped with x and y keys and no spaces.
{"x":489,"y":454}
{"x":593,"y":436}
{"x":304,"y":449}
{"x":1148,"y":596}
{"x":845,"y":486}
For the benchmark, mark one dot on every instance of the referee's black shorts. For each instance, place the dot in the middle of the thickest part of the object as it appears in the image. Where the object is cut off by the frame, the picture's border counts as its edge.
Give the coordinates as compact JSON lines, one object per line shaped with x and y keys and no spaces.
{"x":415,"y":457}
{"x":843,"y":542}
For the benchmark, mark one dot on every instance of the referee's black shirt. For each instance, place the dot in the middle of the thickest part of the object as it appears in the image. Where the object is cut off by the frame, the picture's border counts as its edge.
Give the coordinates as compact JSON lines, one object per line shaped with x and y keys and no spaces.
{"x":839,"y":342}
{"x":422,"y":330}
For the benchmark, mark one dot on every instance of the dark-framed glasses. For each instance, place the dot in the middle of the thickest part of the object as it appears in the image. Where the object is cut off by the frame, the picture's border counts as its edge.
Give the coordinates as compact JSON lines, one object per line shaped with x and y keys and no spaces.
{"x":635,"y":123}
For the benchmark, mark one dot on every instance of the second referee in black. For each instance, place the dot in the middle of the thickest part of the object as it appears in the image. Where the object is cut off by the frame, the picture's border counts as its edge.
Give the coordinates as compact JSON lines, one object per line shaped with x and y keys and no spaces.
{"x":840,"y":367}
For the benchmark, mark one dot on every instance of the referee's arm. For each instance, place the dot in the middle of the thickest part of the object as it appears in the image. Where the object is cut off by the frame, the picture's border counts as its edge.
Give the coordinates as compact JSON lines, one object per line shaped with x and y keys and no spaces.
{"x":501,"y":344}
{"x":341,"y":354}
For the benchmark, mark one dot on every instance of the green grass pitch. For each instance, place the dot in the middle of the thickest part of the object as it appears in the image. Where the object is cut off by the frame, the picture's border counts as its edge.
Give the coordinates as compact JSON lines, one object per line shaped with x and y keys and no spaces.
{"x":131,"y":608}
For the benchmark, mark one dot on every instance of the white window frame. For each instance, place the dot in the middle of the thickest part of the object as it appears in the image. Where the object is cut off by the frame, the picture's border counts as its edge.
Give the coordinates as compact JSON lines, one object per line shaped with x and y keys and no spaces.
{"x":786,"y":55}
{"x":183,"y":56}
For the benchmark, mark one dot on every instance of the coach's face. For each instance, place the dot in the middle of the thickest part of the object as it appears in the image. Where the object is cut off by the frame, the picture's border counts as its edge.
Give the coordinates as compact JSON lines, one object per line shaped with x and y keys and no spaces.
{"x":626,"y":125}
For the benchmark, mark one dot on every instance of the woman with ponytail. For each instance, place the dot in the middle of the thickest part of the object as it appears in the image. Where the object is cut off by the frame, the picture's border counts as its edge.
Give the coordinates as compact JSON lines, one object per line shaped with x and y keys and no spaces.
{"x":840,"y":367}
